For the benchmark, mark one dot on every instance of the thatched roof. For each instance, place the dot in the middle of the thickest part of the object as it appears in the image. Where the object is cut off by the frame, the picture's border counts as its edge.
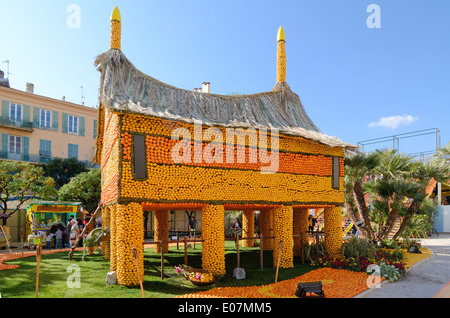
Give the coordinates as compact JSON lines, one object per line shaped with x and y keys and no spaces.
{"x":124,"y":88}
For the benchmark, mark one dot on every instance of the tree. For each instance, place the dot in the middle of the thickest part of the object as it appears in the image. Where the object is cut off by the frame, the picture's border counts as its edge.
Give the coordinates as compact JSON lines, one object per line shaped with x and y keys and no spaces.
{"x":22,"y":182}
{"x":443,"y":154}
{"x":62,"y":170}
{"x":84,"y":188}
{"x":383,"y":186}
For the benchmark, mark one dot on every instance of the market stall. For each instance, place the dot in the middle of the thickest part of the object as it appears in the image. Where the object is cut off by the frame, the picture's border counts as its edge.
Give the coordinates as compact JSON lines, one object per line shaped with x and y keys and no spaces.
{"x":41,"y":216}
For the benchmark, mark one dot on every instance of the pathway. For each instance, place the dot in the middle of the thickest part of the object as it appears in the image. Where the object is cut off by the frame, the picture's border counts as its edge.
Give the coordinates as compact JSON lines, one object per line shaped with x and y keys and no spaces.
{"x":423,"y":280}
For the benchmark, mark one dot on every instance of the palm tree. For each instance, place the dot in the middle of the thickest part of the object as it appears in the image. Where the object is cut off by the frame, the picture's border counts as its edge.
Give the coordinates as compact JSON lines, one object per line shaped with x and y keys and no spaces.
{"x":384,"y":186}
{"x":443,"y":154}
{"x":425,"y":174}
{"x":357,"y":167}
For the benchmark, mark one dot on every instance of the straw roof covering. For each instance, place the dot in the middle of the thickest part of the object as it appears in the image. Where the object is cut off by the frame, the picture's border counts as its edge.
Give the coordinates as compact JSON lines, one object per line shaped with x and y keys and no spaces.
{"x":124,"y":88}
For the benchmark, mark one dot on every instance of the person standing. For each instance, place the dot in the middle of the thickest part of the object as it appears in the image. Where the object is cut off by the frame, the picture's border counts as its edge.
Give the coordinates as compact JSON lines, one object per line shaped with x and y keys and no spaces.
{"x":310,"y":224}
{"x":192,"y":226}
{"x":80,"y":229}
{"x":58,"y":237}
{"x":74,"y":232}
{"x":48,"y":240}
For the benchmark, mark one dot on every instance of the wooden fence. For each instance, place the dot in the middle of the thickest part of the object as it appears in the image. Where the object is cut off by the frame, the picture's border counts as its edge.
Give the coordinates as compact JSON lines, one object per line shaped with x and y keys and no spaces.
{"x":316,"y":235}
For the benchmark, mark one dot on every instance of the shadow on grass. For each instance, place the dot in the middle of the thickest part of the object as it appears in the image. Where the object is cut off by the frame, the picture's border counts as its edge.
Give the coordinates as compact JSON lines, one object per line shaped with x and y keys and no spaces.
{"x":54,"y":274}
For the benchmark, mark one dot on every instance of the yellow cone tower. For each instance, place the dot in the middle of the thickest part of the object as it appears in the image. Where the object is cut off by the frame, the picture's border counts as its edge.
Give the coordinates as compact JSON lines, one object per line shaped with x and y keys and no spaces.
{"x":281,"y":56}
{"x":116,"y":29}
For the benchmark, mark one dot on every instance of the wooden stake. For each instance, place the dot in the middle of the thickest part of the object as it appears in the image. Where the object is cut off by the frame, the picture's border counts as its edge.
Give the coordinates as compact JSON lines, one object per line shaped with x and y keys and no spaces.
{"x":185,"y":250}
{"x":136,"y":262}
{"x":162,"y":260}
{"x":21,"y":239}
{"x":301,"y":250}
{"x":237,"y":250}
{"x":194,"y":238}
{"x":38,"y":263}
{"x":261,"y":251}
{"x":317,"y":245}
{"x":279,"y":259}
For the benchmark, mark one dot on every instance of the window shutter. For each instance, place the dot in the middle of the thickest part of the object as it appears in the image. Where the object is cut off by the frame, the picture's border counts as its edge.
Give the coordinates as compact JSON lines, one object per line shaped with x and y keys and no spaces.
{"x":55,"y":120}
{"x":336,"y":173}
{"x":140,"y":164}
{"x":95,"y":128}
{"x":36,"y":117}
{"x":4,"y":148}
{"x":81,"y":126}
{"x":65,"y":123}
{"x":72,"y":151}
{"x":5,"y":110}
{"x":26,"y":114}
{"x":26,"y":148}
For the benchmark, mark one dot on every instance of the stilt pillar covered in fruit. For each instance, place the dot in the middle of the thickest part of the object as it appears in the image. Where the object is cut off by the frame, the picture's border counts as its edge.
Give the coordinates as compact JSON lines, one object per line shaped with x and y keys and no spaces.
{"x":266,"y":228}
{"x":162,"y":230}
{"x":333,"y":230}
{"x":213,"y":246}
{"x":282,"y":230}
{"x":113,"y":240}
{"x":106,"y":223}
{"x":129,"y":220}
{"x":300,"y":227}
{"x":248,"y":227}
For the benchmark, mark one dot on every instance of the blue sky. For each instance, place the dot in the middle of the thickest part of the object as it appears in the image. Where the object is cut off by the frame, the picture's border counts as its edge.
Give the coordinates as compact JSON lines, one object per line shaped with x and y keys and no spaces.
{"x":348,"y":76}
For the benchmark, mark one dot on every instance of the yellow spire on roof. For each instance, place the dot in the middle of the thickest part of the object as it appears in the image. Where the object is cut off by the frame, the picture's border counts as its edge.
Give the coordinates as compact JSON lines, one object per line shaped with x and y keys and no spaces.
{"x":115,"y":15}
{"x":116,"y":29}
{"x":281,"y":56}
{"x":280,"y":36}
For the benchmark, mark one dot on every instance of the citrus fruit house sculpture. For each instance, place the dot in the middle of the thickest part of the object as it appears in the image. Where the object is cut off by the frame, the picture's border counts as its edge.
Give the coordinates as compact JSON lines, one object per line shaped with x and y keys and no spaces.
{"x":162,"y":148}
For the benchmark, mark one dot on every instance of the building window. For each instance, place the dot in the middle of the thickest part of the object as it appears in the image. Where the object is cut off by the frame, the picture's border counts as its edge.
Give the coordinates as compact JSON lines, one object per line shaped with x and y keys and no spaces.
{"x":72,"y":151}
{"x":45,"y":150}
{"x":15,"y":145}
{"x":46,"y":118}
{"x":73,"y":124}
{"x":15,"y":112}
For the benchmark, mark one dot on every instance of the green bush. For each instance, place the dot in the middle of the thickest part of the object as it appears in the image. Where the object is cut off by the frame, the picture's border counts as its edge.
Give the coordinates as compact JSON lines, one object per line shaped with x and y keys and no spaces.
{"x":357,"y":247}
{"x":390,"y":244}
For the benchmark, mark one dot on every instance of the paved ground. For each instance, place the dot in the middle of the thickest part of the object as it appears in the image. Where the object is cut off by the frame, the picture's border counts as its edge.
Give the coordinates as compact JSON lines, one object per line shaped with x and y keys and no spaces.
{"x":423,"y":280}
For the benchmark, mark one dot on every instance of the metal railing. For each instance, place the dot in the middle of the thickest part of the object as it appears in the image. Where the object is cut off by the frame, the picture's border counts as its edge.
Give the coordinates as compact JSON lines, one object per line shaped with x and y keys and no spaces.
{"x":28,"y":125}
{"x":34,"y":158}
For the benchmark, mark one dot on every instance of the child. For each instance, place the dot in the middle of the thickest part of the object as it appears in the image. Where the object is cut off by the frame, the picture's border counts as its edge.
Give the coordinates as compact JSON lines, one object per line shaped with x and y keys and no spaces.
{"x":48,"y":240}
{"x":58,"y":236}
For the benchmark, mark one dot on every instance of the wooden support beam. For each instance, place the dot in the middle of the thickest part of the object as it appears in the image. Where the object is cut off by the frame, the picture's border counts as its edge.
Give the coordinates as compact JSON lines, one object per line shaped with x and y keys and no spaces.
{"x":72,"y":248}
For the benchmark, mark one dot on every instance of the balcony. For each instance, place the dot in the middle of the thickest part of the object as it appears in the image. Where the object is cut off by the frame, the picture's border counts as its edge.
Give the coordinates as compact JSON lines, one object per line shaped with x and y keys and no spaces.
{"x":41,"y":158}
{"x":20,"y":125}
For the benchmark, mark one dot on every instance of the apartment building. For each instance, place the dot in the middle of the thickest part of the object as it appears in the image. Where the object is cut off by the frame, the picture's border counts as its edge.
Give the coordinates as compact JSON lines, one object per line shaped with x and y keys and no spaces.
{"x":37,"y":129}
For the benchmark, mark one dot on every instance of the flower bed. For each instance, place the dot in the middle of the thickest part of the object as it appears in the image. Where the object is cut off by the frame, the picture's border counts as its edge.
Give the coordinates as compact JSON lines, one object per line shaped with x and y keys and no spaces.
{"x":386,"y":256}
{"x":390,"y":263}
{"x":337,"y":283}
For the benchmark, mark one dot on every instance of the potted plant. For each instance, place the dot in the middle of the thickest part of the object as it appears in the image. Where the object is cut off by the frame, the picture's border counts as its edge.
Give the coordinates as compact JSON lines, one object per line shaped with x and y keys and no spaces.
{"x":92,"y":240}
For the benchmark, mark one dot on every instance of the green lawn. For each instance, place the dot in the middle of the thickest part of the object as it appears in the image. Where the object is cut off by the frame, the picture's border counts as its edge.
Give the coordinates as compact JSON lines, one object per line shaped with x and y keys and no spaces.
{"x":55,"y":271}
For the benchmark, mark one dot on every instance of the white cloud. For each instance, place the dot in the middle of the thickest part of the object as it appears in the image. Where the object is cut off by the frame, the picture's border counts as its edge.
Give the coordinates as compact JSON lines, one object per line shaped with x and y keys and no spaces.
{"x":393,"y":122}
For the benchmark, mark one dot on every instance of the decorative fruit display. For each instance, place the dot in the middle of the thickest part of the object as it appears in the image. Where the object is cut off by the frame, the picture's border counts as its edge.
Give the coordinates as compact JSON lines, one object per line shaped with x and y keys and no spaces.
{"x":128,"y":218}
{"x":300,"y":226}
{"x":213,"y":232}
{"x":200,"y":278}
{"x":248,"y":227}
{"x":333,"y":230}
{"x":282,"y":228}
